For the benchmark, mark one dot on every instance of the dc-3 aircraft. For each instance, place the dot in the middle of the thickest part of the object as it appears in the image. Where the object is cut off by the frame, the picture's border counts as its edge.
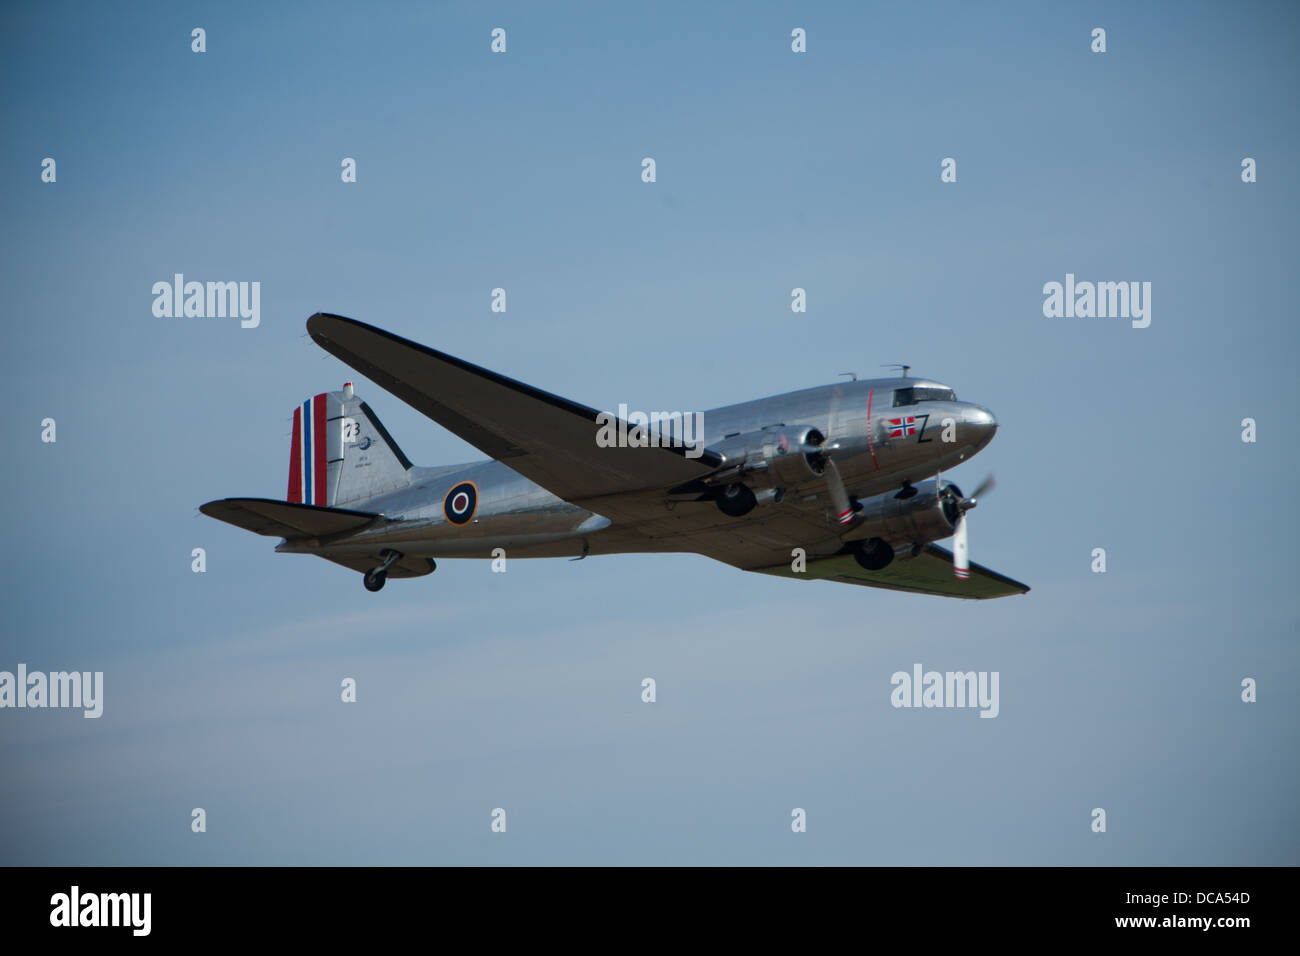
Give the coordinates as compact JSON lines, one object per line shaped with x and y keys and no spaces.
{"x":849,"y":473}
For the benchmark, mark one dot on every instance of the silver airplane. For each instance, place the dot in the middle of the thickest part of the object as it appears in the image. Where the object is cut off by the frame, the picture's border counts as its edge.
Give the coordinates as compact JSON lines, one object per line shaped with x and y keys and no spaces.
{"x":841,"y":482}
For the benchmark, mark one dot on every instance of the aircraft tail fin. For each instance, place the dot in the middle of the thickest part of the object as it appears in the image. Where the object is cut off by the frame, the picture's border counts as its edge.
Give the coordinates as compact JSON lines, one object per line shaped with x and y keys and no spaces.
{"x":341,"y":453}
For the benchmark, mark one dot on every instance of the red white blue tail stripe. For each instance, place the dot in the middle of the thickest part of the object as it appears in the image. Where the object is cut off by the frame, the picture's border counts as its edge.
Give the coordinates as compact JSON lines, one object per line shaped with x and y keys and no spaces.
{"x":307,"y":470}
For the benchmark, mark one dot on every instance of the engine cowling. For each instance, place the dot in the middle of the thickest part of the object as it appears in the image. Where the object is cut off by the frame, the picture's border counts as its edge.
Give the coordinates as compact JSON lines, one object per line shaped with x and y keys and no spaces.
{"x":928,"y":515}
{"x":781,"y":455}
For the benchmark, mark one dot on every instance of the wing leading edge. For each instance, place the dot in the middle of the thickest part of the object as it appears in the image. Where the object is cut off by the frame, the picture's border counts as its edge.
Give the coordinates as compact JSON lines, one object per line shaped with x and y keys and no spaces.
{"x":547,"y":439}
{"x":930,"y":572}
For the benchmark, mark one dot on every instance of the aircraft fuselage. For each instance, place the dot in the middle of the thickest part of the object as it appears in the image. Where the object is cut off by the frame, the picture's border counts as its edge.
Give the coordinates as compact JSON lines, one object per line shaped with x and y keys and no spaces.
{"x":885,"y":431}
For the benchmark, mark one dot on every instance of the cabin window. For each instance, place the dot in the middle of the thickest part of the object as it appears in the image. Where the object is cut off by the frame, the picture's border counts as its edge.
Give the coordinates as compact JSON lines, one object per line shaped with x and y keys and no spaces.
{"x":922,"y":393}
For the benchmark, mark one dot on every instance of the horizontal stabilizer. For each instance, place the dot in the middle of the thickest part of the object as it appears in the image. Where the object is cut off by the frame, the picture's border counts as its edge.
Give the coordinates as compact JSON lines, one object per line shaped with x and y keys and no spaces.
{"x":286,"y":519}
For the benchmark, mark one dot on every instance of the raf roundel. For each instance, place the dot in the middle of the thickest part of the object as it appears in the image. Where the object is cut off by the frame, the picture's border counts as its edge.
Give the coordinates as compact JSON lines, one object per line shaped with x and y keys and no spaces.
{"x":460,"y":503}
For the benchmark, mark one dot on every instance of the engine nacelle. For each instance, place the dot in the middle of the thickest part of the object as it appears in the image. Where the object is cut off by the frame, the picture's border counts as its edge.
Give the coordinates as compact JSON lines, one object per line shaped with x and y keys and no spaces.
{"x":780,"y":455}
{"x":928,"y":515}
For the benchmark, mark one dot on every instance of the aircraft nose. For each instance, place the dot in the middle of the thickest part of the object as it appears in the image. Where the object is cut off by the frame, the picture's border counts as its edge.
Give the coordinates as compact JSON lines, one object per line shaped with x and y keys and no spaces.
{"x":980,"y":425}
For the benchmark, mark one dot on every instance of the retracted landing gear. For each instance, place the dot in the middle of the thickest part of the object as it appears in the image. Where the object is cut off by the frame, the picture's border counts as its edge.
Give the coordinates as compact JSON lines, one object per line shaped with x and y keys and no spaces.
{"x":376,"y":577}
{"x":873,"y":554}
{"x":736,"y":500}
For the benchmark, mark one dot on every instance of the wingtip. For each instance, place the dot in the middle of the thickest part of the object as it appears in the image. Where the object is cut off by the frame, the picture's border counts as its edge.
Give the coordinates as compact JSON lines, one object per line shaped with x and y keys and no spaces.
{"x":319,"y":321}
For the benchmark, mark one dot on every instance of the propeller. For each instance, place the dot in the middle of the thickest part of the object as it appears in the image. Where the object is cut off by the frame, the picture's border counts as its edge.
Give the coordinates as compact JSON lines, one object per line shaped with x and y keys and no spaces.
{"x":985,"y":486}
{"x":844,"y":509}
{"x":839,"y":495}
{"x":960,"y":535}
{"x":960,"y":551}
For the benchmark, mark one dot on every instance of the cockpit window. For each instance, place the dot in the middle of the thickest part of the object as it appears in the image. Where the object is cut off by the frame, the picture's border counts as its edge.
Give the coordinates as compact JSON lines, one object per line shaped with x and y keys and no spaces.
{"x":922,"y":393}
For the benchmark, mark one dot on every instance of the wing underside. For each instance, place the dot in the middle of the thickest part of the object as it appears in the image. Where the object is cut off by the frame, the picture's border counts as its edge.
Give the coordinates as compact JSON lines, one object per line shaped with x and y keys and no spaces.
{"x":930,"y":572}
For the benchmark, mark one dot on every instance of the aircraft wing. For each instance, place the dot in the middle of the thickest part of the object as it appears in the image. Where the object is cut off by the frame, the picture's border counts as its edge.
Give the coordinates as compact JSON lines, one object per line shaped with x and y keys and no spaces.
{"x":930,"y":572}
{"x":547,"y":439}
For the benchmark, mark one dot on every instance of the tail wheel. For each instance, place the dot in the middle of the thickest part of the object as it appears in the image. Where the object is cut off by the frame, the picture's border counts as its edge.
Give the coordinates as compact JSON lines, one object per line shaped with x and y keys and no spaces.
{"x":736,"y":500}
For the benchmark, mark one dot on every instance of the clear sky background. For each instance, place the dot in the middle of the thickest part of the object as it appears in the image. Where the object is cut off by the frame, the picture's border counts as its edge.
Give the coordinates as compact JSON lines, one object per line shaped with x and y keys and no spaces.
{"x":775,"y":170}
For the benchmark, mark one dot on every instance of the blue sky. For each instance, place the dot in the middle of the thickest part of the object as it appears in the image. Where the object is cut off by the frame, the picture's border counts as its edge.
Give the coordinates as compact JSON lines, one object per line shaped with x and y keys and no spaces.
{"x":774,"y":170}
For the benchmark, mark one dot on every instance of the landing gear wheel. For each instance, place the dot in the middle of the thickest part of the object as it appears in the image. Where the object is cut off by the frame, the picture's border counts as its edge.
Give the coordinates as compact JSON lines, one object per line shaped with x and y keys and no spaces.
{"x":873,"y":554}
{"x":375,"y":577}
{"x":736,"y":500}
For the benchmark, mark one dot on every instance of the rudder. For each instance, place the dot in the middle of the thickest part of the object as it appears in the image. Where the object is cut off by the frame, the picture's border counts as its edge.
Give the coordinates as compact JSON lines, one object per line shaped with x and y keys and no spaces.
{"x":340,"y":452}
